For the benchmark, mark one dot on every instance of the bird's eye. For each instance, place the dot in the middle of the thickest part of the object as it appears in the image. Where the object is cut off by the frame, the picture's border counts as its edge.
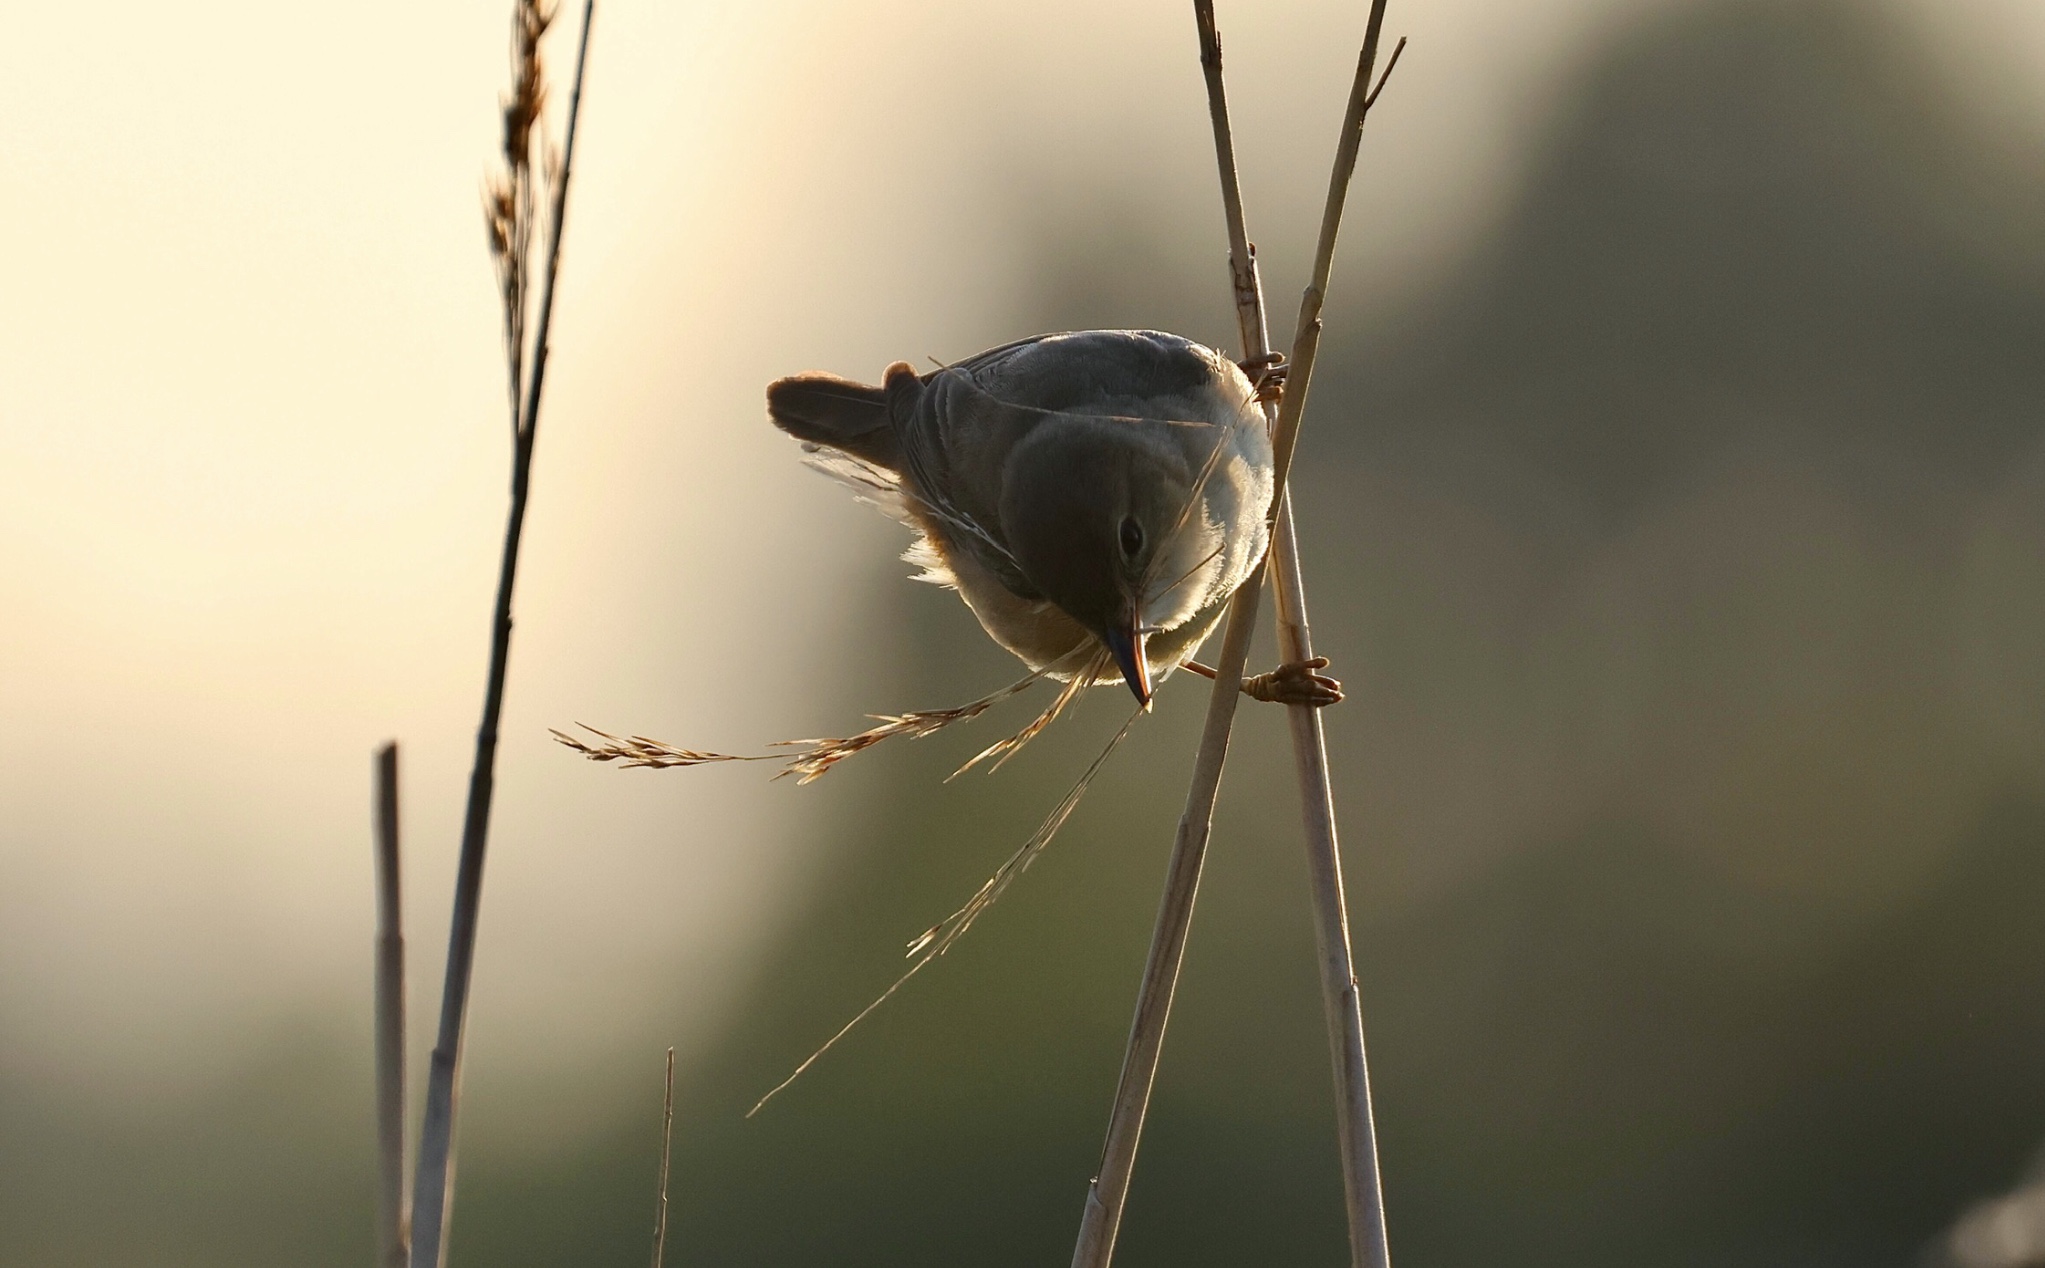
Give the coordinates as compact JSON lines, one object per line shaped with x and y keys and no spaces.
{"x":1132,"y":536}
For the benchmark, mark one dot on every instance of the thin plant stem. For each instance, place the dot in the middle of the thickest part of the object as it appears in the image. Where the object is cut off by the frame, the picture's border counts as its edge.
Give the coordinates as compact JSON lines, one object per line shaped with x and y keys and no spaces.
{"x":1306,"y":338}
{"x":1109,"y":1191}
{"x":1356,"y":1133}
{"x":667,"y":1140}
{"x":1108,"y":1194}
{"x":393,"y":1247}
{"x":433,"y":1190}
{"x":542,"y":341}
{"x":1355,"y":1127}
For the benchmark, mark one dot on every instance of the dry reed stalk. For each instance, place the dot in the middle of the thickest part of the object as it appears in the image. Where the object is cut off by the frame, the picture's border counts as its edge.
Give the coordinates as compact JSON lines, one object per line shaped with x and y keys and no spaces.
{"x":1108,"y":1193}
{"x":1355,"y":1127}
{"x":392,"y":1216}
{"x":1109,"y":1189}
{"x":1356,"y":1133}
{"x":509,"y":206}
{"x":667,"y":1140}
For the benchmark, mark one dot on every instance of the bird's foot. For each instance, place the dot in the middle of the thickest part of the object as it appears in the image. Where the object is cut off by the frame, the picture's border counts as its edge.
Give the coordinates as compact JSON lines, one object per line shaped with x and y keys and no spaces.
{"x":1294,"y":682}
{"x":1266,"y":375}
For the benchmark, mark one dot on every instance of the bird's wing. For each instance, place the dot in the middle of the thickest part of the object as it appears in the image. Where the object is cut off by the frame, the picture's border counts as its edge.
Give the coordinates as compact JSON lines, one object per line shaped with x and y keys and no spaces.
{"x":1130,"y":373}
{"x":942,"y":478}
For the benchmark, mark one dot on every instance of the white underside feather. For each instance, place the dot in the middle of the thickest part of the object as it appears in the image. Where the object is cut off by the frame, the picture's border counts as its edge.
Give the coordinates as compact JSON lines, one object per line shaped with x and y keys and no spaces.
{"x":882,"y":490}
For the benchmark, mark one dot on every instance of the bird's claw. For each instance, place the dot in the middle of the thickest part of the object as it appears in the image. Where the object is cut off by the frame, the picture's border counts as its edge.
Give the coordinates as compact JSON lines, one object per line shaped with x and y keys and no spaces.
{"x":1266,"y":375}
{"x":1295,"y":682}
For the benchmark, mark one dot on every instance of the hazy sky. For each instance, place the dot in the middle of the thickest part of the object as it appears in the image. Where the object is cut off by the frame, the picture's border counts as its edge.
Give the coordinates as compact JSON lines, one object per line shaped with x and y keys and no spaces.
{"x":253,"y":446}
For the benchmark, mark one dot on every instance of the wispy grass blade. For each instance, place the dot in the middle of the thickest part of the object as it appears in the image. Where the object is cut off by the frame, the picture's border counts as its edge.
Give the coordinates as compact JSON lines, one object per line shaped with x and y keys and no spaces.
{"x":936,"y":940}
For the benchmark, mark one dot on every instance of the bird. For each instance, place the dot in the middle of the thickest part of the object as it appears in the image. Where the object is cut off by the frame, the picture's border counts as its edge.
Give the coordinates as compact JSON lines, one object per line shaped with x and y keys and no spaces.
{"x":1095,"y":497}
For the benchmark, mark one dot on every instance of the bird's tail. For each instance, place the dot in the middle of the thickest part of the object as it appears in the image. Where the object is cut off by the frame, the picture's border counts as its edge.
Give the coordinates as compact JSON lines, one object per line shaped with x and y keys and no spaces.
{"x":849,"y":416}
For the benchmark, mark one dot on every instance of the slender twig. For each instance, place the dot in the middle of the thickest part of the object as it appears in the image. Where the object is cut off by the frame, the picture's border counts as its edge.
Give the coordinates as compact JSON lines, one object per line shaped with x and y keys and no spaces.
{"x":667,"y":1141}
{"x":1110,"y":1188}
{"x":1109,"y":1191}
{"x":392,"y":1216}
{"x":432,"y":1194}
{"x":1391,"y":63}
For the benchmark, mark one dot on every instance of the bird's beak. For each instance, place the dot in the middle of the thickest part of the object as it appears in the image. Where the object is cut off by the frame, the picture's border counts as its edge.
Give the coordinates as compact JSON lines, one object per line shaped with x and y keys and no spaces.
{"x":1127,"y":645}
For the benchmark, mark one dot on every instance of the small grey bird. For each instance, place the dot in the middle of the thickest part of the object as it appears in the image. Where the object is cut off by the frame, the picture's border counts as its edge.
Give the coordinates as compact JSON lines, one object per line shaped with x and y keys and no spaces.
{"x":1107,"y":488}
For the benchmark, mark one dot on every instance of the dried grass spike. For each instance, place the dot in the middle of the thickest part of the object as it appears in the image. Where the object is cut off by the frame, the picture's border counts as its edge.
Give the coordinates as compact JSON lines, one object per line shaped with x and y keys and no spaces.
{"x":824,"y":754}
{"x":649,"y":753}
{"x":1002,"y":750}
{"x":529,"y":22}
{"x":821,"y":755}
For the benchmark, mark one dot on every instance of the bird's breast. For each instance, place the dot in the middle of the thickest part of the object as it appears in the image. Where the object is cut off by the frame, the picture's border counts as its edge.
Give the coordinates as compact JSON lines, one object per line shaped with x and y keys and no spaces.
{"x":1034,"y":629}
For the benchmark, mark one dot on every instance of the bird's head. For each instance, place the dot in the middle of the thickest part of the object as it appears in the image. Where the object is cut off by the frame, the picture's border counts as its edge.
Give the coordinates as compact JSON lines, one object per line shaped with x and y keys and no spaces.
{"x":1102,"y":519}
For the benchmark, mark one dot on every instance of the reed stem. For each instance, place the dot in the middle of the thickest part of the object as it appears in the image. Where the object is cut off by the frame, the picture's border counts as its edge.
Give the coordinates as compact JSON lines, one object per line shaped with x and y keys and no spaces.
{"x":1356,"y":1133}
{"x":433,"y":1190}
{"x":393,"y":1236}
{"x":1355,"y":1129}
{"x":667,"y":1141}
{"x":1108,"y":1193}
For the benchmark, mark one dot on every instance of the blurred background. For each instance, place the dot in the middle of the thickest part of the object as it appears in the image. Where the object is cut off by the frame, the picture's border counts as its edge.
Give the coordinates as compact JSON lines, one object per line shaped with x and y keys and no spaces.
{"x":1673,"y":503}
